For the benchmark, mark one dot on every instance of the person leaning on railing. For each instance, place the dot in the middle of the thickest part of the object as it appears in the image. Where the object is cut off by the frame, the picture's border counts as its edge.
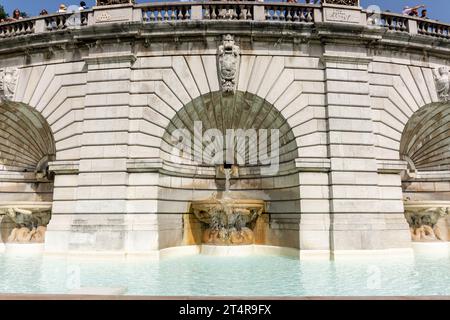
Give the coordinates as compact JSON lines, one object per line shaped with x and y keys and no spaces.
{"x":412,"y":11}
{"x":17,"y":15}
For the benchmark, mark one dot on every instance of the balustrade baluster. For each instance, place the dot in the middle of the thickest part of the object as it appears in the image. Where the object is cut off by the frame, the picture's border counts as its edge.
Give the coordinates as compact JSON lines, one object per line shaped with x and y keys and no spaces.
{"x":243,"y":13}
{"x":248,"y":13}
{"x":275,"y":14}
{"x":289,"y":15}
{"x":295,"y":16}
{"x":207,"y":15}
{"x":282,"y":14}
{"x":180,"y":14}
{"x":152,"y":16}
{"x":234,"y":15}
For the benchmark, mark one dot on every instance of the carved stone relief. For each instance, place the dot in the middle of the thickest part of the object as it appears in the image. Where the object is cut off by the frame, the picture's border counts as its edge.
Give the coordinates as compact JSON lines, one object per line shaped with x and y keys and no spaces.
{"x":30,"y":225}
{"x":112,"y":2}
{"x":423,"y":223}
{"x":8,"y":83}
{"x":229,"y":55}
{"x":442,"y":79}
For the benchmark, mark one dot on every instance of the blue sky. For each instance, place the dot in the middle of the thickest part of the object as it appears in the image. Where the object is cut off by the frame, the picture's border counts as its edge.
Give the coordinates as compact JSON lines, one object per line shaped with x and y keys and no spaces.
{"x":438,"y":9}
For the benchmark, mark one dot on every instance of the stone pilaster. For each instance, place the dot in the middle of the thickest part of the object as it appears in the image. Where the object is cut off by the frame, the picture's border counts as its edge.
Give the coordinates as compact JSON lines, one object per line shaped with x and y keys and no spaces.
{"x":365,"y":213}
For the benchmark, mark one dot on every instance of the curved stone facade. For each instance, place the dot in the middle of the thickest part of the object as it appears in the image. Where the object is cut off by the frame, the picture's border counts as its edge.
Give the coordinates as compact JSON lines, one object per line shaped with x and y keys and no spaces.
{"x":343,"y":84}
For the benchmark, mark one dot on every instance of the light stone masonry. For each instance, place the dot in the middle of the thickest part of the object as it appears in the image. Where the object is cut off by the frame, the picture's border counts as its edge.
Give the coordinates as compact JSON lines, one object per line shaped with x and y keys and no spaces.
{"x":99,"y":104}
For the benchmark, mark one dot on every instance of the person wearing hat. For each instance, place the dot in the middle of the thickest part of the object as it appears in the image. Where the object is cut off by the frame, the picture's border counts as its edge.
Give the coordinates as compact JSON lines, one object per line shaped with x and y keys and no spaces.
{"x":62,"y":8}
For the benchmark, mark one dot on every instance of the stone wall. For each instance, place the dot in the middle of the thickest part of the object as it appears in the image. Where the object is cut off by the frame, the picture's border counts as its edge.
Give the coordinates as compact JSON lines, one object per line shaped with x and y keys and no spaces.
{"x":109,"y":102}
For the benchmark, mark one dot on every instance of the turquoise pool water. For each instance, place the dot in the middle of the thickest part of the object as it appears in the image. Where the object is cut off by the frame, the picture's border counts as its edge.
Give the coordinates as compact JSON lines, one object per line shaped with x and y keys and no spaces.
{"x":221,"y":276}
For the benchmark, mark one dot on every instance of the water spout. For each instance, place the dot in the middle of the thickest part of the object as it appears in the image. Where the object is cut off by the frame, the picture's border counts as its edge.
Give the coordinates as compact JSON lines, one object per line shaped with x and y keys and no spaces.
{"x":227,"y":179}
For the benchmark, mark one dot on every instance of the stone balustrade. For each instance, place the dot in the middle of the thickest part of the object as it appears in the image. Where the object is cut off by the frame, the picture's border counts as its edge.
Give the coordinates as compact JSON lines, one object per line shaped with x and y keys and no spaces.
{"x":395,"y":22}
{"x":302,"y":13}
{"x":18,"y":28}
{"x":63,"y":21}
{"x":228,"y":11}
{"x":434,"y":29}
{"x":156,"y":12}
{"x":43,"y":24}
{"x":289,"y":12}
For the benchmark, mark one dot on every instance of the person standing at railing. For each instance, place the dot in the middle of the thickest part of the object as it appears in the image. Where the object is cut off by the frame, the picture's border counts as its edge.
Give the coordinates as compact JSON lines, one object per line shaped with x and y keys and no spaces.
{"x":413,"y":11}
{"x":83,"y":6}
{"x":62,"y":8}
{"x":17,"y":15}
{"x":424,"y":14}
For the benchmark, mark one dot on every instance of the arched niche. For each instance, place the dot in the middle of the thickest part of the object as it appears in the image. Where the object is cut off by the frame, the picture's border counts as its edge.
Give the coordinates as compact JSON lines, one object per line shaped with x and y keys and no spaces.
{"x":184,"y":180}
{"x":26,"y":185}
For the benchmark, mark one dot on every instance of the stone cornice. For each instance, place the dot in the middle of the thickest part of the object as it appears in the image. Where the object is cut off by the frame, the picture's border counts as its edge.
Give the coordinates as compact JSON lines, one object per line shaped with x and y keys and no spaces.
{"x":330,"y":58}
{"x":200,"y":30}
{"x":103,"y":59}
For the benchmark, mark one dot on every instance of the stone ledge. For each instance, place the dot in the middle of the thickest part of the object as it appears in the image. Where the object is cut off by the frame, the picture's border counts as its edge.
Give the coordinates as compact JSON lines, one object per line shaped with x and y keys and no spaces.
{"x":15,"y":176}
{"x":432,"y":176}
{"x":64,"y":167}
{"x":313,"y":165}
{"x":146,"y":165}
{"x":391,"y":166}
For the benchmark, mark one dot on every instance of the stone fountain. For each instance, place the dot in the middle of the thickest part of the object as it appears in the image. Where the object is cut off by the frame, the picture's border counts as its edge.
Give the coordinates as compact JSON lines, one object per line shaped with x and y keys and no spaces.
{"x":24,"y":223}
{"x":229,"y":221}
{"x":427,"y":220}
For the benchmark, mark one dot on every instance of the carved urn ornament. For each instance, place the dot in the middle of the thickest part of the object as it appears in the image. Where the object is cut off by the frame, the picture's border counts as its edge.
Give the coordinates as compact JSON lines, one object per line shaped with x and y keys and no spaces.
{"x":229,"y":54}
{"x":8,"y":83}
{"x":441,"y":76}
